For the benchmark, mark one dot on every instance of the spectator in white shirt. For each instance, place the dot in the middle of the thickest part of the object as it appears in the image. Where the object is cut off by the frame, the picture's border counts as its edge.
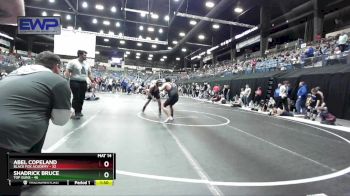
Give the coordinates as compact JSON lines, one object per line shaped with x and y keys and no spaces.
{"x":342,"y":41}
{"x":246,"y":96}
{"x":284,"y":96}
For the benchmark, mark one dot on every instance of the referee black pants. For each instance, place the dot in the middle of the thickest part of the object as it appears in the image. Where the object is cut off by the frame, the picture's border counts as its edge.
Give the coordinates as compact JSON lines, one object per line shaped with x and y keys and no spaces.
{"x":78,"y":89}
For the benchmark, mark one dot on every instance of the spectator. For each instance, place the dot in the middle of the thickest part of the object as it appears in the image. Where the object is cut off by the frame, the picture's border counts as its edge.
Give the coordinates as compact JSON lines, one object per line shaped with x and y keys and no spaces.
{"x":197,"y":90}
{"x":283,"y":94}
{"x":280,"y":112}
{"x":343,"y":39}
{"x":276,"y":95}
{"x":29,"y":97}
{"x":216,"y":98}
{"x":216,"y":89}
{"x":258,"y":95}
{"x":301,"y":100}
{"x":226,"y":92}
{"x":205,"y":91}
{"x":241,"y":95}
{"x":78,"y":71}
{"x":326,"y":117}
{"x":337,"y":51}
{"x":130,"y":88}
{"x":253,"y":63}
{"x":124,"y":85}
{"x":309,"y":52}
{"x":193,"y":90}
{"x":323,"y":103}
{"x":3,"y":74}
{"x":246,"y":97}
{"x":291,"y":103}
{"x":315,"y":102}
{"x":271,"y":104}
{"x":237,"y":101}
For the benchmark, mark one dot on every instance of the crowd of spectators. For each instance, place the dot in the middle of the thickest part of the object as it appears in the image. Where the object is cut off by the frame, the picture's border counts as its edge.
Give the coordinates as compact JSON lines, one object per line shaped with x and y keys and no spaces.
{"x":119,"y":81}
{"x":318,"y":51}
{"x":309,"y":103}
{"x":12,"y":61}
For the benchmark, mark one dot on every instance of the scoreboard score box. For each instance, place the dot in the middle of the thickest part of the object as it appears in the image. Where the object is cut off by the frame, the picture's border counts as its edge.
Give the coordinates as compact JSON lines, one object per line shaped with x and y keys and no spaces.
{"x":81,"y":169}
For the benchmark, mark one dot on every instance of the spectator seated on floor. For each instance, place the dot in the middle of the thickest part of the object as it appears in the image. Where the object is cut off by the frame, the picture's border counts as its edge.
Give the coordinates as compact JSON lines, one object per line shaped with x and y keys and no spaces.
{"x":280,"y":112}
{"x":3,"y":75}
{"x":90,"y":94}
{"x":272,"y":103}
{"x":237,"y":102}
{"x":326,"y":117}
{"x":216,"y":98}
{"x":91,"y":97}
{"x":261,"y":106}
{"x":251,"y":104}
{"x":264,"y":105}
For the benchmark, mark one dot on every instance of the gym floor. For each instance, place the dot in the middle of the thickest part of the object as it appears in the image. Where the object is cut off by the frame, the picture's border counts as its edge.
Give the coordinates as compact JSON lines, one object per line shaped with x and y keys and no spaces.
{"x":207,"y":150}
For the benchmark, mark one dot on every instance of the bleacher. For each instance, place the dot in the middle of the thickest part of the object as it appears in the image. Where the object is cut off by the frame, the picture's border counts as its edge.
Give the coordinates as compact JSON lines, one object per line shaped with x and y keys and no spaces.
{"x":326,"y":52}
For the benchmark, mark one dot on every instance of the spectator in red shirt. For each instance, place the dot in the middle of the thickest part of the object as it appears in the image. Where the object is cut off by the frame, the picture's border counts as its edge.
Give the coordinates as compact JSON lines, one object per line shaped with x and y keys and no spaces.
{"x":216,"y":89}
{"x":254,"y":65}
{"x":258,"y":95}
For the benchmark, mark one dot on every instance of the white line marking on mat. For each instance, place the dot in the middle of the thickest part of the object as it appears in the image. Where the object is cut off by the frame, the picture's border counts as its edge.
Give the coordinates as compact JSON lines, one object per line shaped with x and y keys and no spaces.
{"x":189,"y":125}
{"x":199,"y":170}
{"x":194,"y":163}
{"x":237,"y":184}
{"x":285,"y":149}
{"x":282,"y":148}
{"x":67,"y":136}
{"x":312,"y":123}
{"x":301,"y":121}
{"x":250,"y":184}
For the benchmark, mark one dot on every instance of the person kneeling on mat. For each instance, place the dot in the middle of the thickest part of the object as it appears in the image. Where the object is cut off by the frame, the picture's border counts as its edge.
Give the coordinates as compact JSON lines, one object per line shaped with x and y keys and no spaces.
{"x":154,"y":92}
{"x":173,"y":97}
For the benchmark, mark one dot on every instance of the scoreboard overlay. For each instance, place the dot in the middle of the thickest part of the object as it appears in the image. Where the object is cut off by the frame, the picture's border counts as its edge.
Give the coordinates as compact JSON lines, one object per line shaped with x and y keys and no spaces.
{"x":61,"y":169}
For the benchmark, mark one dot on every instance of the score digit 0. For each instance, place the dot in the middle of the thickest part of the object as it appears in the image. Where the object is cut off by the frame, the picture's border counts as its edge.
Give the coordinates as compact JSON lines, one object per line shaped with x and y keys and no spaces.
{"x":106,"y":164}
{"x":106,"y":174}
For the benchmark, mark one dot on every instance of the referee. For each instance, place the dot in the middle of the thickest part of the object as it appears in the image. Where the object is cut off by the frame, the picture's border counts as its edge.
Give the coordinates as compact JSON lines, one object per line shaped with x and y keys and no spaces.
{"x":78,"y":71}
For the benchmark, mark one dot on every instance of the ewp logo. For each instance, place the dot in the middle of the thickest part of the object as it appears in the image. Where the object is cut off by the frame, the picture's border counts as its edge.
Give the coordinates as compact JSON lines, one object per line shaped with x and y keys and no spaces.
{"x":39,"y":25}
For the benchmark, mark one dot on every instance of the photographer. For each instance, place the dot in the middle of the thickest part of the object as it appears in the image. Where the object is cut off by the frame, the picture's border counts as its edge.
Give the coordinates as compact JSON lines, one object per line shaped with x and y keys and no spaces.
{"x":29,"y":97}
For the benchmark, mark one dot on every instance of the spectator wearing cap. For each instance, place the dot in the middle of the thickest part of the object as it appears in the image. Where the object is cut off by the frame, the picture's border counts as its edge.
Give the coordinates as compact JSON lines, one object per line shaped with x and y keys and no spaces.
{"x":301,"y":100}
